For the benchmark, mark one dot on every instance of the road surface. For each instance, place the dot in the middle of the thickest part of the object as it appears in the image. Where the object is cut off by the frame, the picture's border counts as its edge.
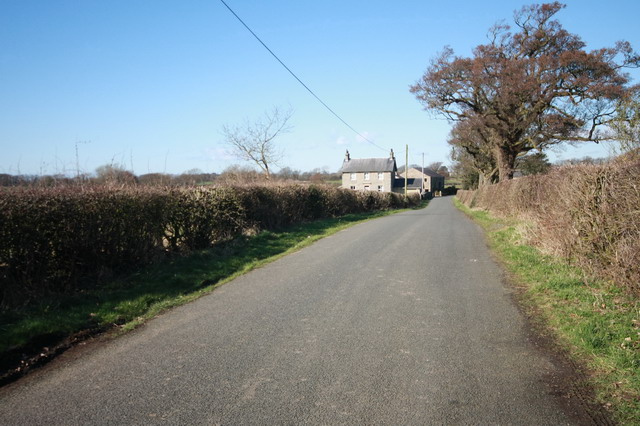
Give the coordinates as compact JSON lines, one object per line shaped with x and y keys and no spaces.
{"x":399,"y":320}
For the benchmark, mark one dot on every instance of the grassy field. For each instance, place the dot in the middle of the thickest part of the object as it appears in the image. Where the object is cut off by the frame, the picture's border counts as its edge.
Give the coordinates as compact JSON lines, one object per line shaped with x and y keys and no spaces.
{"x":130,"y":301}
{"x":592,"y":321}
{"x":453,"y":181}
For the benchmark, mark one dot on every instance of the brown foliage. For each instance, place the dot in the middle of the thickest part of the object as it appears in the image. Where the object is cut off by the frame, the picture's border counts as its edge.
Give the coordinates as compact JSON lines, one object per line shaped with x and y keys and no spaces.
{"x":589,"y":214}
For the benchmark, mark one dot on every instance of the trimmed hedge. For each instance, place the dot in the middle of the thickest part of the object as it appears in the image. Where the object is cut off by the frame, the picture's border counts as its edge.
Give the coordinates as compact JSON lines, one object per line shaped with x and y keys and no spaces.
{"x":64,"y":239}
{"x":589,"y":214}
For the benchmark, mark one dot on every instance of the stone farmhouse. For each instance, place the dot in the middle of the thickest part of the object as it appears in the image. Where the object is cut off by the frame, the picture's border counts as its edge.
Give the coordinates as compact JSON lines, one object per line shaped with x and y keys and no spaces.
{"x":375,"y":174}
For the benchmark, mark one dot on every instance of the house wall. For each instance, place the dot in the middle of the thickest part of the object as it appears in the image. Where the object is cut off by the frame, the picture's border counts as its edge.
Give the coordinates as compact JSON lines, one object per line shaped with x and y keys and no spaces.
{"x":437,"y":183}
{"x":431,"y":184}
{"x":413,"y":173}
{"x":360,"y":183}
{"x":410,"y":191}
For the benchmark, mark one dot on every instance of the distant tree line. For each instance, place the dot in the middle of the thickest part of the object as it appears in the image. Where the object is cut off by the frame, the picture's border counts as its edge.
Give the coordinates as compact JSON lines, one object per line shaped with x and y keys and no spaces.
{"x":117,"y":175}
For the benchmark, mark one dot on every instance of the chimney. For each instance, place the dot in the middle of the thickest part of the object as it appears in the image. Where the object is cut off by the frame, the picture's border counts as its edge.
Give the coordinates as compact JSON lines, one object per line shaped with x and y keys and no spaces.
{"x":393,"y":157}
{"x":347,"y":157}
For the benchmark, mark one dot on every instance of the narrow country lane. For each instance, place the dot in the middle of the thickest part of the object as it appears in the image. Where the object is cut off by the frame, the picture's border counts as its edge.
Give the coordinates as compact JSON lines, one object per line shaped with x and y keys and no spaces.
{"x":399,"y":320}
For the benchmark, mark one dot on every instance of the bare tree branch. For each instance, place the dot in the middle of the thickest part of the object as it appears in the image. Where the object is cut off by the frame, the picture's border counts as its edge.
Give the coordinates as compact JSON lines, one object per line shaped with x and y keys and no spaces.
{"x":254,"y":141}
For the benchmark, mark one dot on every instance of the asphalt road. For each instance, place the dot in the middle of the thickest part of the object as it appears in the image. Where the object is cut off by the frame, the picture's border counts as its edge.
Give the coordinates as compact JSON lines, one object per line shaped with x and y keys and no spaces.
{"x":399,"y":320}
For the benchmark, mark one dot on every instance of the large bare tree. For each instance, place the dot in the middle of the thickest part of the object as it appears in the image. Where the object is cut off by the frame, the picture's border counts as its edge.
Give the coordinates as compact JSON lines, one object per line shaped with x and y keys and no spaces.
{"x":531,"y":88}
{"x":254,"y":140}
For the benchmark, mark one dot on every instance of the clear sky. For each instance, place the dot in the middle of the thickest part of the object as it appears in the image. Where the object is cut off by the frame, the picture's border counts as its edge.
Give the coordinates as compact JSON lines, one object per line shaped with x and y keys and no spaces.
{"x":148,"y":84}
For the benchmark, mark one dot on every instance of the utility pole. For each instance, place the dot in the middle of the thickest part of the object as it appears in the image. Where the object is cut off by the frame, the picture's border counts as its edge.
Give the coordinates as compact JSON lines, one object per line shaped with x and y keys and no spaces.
{"x":406,"y":169}
{"x":422,"y":173}
{"x":78,"y":158}
{"x":77,"y":161}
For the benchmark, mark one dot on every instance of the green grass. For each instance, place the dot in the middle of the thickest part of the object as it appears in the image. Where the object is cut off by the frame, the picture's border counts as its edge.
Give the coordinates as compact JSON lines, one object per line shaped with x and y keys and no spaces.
{"x":125,"y":303}
{"x":595,"y":322}
{"x":449,"y":181}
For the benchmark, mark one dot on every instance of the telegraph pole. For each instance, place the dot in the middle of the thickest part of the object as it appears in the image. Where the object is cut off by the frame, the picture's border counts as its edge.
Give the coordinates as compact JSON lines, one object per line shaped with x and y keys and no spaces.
{"x":406,"y":169}
{"x":422,"y":173}
{"x":77,"y":162}
{"x":78,"y":158}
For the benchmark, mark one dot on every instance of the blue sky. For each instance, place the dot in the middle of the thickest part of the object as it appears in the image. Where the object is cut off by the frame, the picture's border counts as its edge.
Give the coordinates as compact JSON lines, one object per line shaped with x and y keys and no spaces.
{"x":148,"y":84}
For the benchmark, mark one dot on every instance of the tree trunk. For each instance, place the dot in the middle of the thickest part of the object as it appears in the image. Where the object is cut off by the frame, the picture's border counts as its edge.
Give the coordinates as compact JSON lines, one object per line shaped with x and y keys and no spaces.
{"x":487,"y":177}
{"x":506,"y":161}
{"x":264,"y":165}
{"x":482,"y":180}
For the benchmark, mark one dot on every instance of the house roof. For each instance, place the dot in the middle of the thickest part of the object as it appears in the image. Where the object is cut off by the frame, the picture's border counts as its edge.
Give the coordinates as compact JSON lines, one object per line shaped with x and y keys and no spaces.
{"x":369,"y":165}
{"x":428,"y":172}
{"x":412,"y":183}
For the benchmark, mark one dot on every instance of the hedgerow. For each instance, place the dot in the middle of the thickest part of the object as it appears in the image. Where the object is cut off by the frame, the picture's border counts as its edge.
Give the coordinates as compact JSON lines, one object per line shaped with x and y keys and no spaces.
{"x":65,"y":239}
{"x":588,"y":214}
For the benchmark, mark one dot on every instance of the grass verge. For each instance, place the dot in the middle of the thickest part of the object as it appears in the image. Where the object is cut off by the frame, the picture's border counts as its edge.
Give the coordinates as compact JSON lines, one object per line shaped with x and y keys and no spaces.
{"x":33,"y":335}
{"x":594,"y":322}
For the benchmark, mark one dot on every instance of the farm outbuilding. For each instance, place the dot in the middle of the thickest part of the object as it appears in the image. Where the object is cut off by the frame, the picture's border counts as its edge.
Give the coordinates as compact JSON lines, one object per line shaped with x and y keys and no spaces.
{"x":432,"y":181}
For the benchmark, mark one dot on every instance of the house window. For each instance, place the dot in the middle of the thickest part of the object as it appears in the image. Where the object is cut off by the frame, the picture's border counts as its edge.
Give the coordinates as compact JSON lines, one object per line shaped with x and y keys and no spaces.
{"x":352,"y":187}
{"x":367,"y":188}
{"x":381,"y":188}
{"x":367,"y":176}
{"x":352,"y":176}
{"x":380,"y":176}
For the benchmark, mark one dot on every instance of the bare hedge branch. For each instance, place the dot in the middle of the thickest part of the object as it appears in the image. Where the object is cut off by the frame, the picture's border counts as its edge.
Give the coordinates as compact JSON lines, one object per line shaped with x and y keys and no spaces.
{"x":589,"y":214}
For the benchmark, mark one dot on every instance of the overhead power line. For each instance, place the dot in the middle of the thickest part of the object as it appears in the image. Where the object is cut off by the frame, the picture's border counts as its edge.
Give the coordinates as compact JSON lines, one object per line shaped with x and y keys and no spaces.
{"x":298,"y":79}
